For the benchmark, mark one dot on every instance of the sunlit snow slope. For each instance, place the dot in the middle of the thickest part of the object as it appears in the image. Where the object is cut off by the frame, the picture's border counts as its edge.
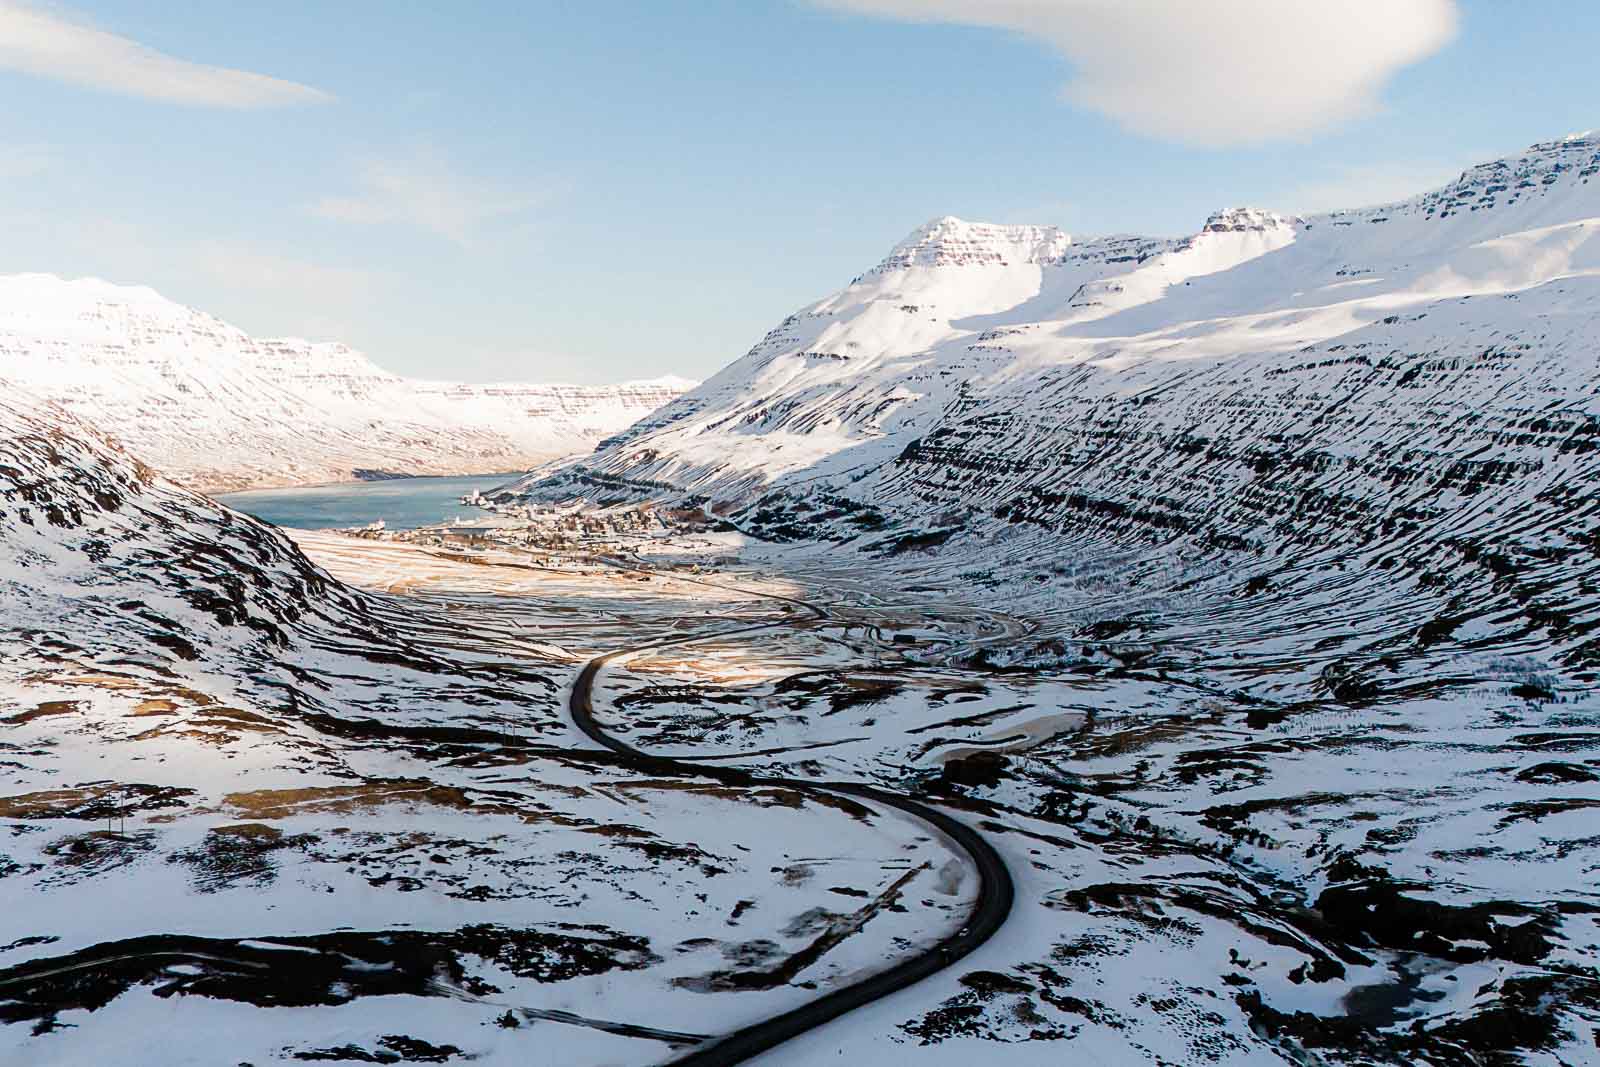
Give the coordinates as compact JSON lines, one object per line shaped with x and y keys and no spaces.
{"x":217,"y":409}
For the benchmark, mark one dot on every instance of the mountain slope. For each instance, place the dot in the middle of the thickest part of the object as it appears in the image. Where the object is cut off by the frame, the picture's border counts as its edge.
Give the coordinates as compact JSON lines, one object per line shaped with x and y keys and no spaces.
{"x":104,"y":563}
{"x":217,"y":409}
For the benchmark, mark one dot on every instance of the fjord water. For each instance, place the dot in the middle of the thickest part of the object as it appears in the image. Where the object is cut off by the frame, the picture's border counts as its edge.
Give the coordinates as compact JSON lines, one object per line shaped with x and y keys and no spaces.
{"x":402,"y":503}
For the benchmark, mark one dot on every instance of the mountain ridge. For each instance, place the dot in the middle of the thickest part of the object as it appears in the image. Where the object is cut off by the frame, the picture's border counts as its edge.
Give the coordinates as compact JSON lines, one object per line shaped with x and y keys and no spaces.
{"x":220,"y":410}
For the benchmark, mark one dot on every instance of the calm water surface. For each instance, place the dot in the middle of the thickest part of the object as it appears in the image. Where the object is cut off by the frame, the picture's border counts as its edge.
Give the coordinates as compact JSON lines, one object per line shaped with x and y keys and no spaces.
{"x":403,"y":504}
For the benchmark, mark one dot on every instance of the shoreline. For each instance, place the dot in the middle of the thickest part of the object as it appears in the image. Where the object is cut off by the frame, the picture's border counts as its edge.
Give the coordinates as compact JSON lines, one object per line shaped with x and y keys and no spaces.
{"x":354,"y":484}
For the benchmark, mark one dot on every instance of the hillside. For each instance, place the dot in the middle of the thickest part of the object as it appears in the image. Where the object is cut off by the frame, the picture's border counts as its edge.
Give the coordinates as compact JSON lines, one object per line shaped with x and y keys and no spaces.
{"x":247,"y":803}
{"x":219,"y":410}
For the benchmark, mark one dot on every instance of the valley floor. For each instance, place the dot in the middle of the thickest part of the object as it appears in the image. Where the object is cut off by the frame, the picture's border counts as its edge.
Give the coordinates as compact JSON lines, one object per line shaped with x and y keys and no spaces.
{"x":444,"y":868}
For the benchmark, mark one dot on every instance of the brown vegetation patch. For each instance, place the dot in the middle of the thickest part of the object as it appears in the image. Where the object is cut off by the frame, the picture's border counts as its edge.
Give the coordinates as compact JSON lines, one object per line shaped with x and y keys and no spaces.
{"x":335,"y":799}
{"x":48,"y":708}
{"x":99,"y":800}
{"x":100,"y":681}
{"x":374,"y":793}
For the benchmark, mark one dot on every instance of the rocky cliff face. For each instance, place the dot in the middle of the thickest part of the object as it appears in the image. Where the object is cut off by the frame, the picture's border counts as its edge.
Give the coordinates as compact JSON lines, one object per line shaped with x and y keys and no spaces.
{"x":217,"y":409}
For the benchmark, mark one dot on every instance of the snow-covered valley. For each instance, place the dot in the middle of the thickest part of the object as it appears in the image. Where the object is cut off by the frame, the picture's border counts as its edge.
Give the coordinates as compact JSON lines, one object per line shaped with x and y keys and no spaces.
{"x":354,"y":825}
{"x":218,"y":410}
{"x":1240,"y":591}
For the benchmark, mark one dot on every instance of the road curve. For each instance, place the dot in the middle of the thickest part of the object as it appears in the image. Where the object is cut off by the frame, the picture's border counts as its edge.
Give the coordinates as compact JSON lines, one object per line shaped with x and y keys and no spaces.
{"x":988,"y":914}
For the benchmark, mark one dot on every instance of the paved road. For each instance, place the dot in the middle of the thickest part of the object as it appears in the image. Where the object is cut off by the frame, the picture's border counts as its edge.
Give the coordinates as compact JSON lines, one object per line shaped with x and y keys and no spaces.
{"x":989,"y":910}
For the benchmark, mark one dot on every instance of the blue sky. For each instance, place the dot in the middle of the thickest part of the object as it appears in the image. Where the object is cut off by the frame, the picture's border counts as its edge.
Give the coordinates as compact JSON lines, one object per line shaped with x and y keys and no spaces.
{"x":604,"y":190}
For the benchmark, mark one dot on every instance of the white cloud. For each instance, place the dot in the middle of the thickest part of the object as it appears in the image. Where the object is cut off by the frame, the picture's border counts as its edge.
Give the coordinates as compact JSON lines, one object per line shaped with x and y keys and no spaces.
{"x":1365,"y":186}
{"x":427,"y":194}
{"x":1212,"y":72}
{"x":49,"y":45}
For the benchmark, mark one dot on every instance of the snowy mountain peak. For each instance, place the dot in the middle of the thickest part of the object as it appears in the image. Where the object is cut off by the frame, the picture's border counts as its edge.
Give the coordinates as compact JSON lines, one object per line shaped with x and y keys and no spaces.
{"x":1246,"y":219}
{"x":48,"y":302}
{"x":1543,"y":169}
{"x":1576,"y":155}
{"x":952,"y":242}
{"x":85,"y":289}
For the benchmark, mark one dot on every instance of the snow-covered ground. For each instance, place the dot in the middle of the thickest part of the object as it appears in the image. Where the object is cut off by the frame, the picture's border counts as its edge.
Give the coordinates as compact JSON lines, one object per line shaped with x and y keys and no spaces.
{"x":248,"y":804}
{"x":218,"y":410}
{"x":248,"y":798}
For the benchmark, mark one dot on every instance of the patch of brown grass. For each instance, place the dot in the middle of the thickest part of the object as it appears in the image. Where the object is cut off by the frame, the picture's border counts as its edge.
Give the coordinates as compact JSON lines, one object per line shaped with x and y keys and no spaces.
{"x":51,"y":803}
{"x":307,"y":800}
{"x":48,"y":708}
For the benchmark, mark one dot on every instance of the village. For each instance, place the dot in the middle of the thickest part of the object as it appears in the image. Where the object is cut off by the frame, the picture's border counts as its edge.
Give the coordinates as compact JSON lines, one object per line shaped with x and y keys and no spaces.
{"x":551,"y":535}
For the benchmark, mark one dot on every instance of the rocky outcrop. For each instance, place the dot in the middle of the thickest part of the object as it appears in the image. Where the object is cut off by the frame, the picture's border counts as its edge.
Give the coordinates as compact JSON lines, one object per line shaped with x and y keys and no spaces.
{"x":953,"y":242}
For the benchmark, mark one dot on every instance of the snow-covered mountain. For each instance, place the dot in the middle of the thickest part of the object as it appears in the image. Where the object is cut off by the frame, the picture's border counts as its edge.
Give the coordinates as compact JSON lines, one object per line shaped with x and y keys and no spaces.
{"x":1420,"y":375}
{"x":1242,"y":432}
{"x":978,"y":362}
{"x":217,"y":409}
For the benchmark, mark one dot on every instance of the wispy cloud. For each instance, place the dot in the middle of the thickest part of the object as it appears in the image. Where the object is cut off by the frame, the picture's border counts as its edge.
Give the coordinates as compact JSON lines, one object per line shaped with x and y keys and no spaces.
{"x":49,"y":44}
{"x":428,"y":194}
{"x":1212,"y":72}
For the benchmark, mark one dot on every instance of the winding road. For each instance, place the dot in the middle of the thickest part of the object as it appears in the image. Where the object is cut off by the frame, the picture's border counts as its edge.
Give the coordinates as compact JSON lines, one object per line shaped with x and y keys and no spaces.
{"x":989,"y":910}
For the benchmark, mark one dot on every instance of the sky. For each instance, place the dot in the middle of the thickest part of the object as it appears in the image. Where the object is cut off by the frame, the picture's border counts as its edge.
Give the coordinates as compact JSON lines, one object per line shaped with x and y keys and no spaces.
{"x":596,"y":191}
